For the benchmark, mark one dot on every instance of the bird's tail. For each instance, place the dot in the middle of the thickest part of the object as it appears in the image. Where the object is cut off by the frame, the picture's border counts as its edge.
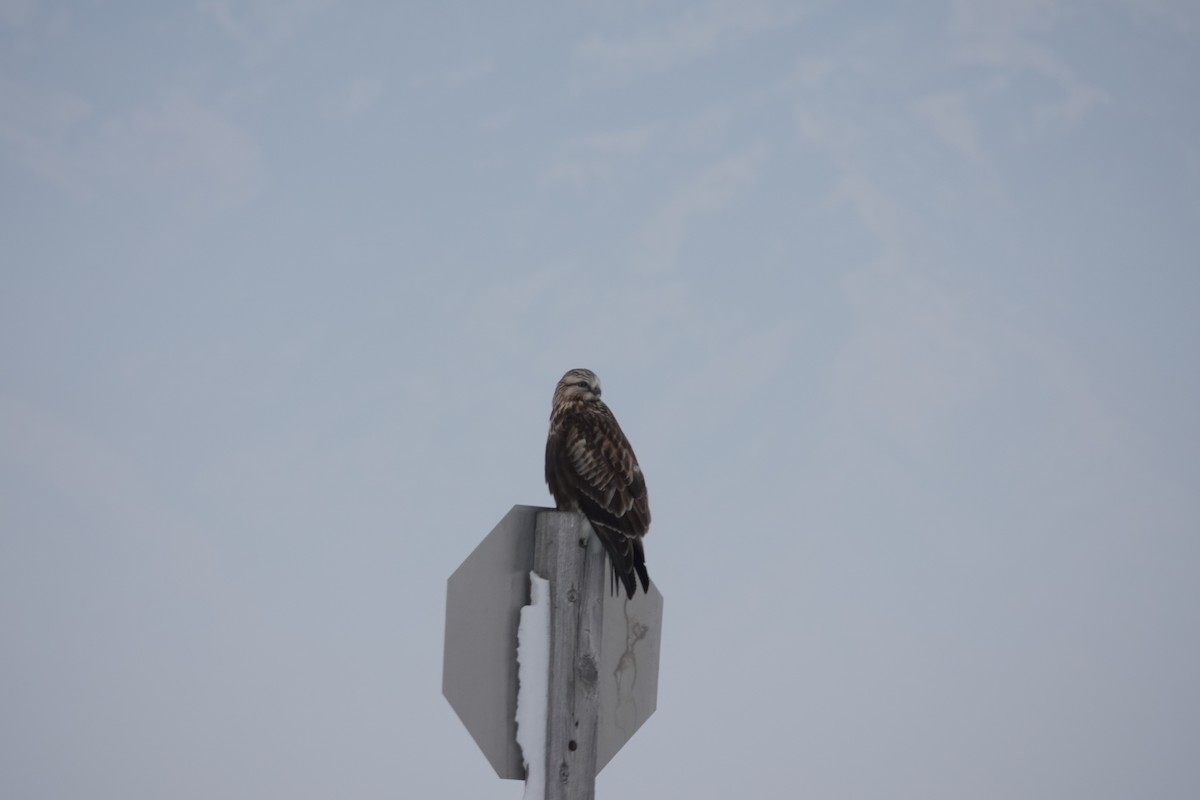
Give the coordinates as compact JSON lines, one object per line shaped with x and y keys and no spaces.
{"x":627,"y":557}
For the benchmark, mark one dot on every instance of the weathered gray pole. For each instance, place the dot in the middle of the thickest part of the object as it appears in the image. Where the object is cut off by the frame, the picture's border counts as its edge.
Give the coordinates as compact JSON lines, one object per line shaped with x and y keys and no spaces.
{"x":572,"y":559}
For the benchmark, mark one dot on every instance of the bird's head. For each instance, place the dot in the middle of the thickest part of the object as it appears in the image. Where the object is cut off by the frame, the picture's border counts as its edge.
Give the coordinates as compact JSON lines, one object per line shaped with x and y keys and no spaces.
{"x":577,"y":386}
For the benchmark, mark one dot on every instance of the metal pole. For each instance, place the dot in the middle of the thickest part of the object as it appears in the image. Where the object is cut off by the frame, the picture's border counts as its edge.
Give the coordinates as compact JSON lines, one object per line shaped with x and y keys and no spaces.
{"x":572,"y":559}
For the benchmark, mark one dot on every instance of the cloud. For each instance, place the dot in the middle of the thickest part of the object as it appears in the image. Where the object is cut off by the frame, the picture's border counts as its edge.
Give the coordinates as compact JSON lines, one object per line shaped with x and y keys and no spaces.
{"x":82,"y":471}
{"x":916,"y":354}
{"x":468,"y":72}
{"x":1006,"y":36}
{"x":177,"y":145}
{"x":913,"y":354}
{"x":840,"y":134}
{"x":737,"y":368}
{"x":362,"y":94}
{"x":984,"y":19}
{"x":260,"y":27}
{"x":501,"y":318}
{"x":949,"y":116}
{"x":452,"y":77}
{"x":1178,"y":16}
{"x":594,"y":158}
{"x":16,"y":13}
{"x":697,"y":33}
{"x":356,"y":97}
{"x":34,"y":128}
{"x":844,"y":140}
{"x":714,"y":188}
{"x":707,"y":129}
{"x":178,"y":148}
{"x":497,"y":120}
{"x":812,"y":73}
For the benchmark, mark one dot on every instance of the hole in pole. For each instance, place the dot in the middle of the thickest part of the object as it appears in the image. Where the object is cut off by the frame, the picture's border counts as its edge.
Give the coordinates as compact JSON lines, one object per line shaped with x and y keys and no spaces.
{"x":571,"y":745}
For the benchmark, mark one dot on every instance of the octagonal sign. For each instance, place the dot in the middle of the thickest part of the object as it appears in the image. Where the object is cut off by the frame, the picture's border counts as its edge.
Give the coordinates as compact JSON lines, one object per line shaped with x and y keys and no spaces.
{"x":484,"y":597}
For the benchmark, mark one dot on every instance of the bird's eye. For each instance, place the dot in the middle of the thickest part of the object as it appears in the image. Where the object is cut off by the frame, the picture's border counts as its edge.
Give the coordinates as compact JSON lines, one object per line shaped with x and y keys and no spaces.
{"x":583,"y":385}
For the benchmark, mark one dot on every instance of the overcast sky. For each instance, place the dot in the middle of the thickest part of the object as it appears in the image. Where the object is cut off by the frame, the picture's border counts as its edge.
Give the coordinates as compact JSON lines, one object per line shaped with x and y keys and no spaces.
{"x":899,"y":308}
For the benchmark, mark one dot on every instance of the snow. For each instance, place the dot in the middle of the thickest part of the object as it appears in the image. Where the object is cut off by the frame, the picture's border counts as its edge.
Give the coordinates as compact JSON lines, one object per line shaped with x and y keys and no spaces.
{"x":533,"y":684}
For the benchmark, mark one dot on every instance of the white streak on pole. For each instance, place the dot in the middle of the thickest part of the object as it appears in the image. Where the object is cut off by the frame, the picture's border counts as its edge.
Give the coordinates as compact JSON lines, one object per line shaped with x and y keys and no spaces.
{"x":533,"y":675}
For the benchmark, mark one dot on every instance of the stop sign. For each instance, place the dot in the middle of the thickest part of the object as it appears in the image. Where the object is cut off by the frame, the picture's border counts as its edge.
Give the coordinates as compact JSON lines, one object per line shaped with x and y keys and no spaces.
{"x":484,"y":597}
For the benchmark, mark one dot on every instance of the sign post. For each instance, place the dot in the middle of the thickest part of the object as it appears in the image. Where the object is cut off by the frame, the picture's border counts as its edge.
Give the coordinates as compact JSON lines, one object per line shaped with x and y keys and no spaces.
{"x":603,"y":672}
{"x":576,"y":573}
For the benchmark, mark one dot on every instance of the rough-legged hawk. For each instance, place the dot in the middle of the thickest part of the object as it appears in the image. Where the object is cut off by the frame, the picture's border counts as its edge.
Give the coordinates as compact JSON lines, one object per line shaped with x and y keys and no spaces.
{"x":590,"y":467}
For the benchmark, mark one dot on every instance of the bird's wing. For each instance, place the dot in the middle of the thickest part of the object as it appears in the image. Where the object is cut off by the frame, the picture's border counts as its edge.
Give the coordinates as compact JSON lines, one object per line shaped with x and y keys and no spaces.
{"x":605,"y":474}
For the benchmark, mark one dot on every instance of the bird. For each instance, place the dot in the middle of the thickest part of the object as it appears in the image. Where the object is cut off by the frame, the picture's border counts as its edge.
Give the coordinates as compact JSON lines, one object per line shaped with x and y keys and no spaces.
{"x":591,"y":468}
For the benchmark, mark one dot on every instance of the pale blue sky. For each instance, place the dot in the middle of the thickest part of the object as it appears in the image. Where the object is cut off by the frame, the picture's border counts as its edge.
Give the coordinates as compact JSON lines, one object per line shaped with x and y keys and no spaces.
{"x":899,"y":308}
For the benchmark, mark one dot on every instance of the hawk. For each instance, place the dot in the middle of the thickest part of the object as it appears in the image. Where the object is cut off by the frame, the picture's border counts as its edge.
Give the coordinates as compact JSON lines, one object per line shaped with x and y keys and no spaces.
{"x":591,"y":468}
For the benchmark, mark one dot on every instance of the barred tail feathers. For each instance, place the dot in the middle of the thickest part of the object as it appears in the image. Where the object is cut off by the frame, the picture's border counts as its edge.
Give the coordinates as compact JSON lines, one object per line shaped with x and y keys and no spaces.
{"x":627,"y":558}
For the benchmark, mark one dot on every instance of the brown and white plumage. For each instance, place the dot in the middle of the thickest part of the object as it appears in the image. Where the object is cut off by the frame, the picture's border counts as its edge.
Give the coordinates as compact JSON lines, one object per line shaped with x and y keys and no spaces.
{"x":591,"y":468}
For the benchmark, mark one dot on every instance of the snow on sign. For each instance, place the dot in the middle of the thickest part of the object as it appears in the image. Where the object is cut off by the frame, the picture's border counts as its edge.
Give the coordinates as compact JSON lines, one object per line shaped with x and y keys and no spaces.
{"x":484,"y":598}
